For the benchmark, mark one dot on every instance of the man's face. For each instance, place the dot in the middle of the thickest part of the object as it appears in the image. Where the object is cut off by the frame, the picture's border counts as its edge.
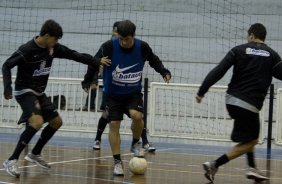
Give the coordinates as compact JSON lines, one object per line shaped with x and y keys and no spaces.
{"x":126,"y":42}
{"x":50,"y":41}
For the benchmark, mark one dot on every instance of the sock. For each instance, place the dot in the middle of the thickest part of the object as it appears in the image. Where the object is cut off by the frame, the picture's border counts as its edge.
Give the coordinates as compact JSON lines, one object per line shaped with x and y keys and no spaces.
{"x":46,"y":135}
{"x":251,"y":160}
{"x":134,"y":141}
{"x":221,"y":160}
{"x":117,"y":158}
{"x":144,"y":136}
{"x":25,"y":137}
{"x":101,"y":127}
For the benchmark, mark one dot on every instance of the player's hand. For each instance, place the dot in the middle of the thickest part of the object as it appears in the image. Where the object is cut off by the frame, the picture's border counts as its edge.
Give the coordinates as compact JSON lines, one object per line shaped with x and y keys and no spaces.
{"x":167,"y":78}
{"x":8,"y":97}
{"x":199,"y":99}
{"x":105,"y":61}
{"x":8,"y":94}
{"x":92,"y":86}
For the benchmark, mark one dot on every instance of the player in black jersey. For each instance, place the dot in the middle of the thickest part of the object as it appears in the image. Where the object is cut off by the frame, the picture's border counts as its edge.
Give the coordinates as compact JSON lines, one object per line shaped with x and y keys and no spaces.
{"x":254,"y":65}
{"x":33,"y":61}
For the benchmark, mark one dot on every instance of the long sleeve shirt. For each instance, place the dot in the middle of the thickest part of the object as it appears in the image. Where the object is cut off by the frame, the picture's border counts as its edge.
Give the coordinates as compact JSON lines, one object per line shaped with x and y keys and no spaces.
{"x":125,"y":72}
{"x":254,"y":65}
{"x":34,"y":64}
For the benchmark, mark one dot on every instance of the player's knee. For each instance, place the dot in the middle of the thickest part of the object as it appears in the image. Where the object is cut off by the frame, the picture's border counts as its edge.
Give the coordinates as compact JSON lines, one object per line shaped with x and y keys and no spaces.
{"x":254,"y":142}
{"x":105,"y":114}
{"x":114,"y":126}
{"x":136,"y":116}
{"x":250,"y":145}
{"x":36,"y":121}
{"x":56,"y":122}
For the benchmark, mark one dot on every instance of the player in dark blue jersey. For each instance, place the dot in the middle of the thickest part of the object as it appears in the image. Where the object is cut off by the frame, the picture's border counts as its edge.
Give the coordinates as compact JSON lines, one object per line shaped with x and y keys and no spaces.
{"x":34,"y":60}
{"x":103,"y":121}
{"x":122,"y":84}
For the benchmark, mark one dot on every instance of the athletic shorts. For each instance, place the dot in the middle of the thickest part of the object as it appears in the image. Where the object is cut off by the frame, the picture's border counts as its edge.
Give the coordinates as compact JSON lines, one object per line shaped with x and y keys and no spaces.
{"x":39,"y":105}
{"x":119,"y":105}
{"x":246,"y":124}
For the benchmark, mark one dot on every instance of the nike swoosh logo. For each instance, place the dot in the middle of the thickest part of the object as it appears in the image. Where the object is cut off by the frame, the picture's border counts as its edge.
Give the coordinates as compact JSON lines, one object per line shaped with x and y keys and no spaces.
{"x":124,"y":69}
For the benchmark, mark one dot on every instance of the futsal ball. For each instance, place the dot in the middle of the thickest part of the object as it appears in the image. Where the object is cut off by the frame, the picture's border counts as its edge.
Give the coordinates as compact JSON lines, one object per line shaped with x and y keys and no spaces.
{"x":138,"y":165}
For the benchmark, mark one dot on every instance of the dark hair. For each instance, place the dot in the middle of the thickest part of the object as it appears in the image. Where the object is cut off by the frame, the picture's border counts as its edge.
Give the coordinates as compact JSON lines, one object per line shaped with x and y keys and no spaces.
{"x":116,"y":24}
{"x":52,"y":28}
{"x":126,"y":28}
{"x":258,"y":30}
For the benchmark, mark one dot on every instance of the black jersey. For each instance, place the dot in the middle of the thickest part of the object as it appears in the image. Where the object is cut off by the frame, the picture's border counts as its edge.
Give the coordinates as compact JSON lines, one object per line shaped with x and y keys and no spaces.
{"x":254,"y":65}
{"x":34,"y":65}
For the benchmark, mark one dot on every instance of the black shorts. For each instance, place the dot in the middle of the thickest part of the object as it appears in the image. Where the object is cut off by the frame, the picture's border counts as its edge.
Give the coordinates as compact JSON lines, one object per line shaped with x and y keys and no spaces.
{"x":246,"y":124}
{"x":119,"y":105}
{"x":40,"y":105}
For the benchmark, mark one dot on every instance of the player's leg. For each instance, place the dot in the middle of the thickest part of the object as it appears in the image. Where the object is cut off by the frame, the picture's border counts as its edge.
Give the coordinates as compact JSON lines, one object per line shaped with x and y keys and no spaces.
{"x":144,"y":136}
{"x":92,"y":99}
{"x":115,"y":109}
{"x":235,"y":152}
{"x":114,"y":140}
{"x":92,"y":96}
{"x":34,"y":121}
{"x":246,"y":131}
{"x":47,"y":133}
{"x":136,"y":127}
{"x":148,"y":146}
{"x":50,"y":115}
{"x":238,"y":150}
{"x":134,"y":104}
{"x":103,"y":121}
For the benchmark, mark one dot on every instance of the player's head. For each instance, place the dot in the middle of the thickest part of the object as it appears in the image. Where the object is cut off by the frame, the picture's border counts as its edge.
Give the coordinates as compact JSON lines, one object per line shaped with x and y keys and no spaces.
{"x":256,"y":31}
{"x":126,"y":31}
{"x":51,"y":32}
{"x":114,"y":31}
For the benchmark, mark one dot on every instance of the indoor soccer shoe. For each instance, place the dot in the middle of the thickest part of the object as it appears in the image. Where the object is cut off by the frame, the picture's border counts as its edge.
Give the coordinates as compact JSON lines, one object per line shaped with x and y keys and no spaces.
{"x":11,"y":167}
{"x":37,"y":159}
{"x":137,"y":150}
{"x":118,"y":170}
{"x":256,"y":175}
{"x":149,"y":147}
{"x":210,"y":169}
{"x":97,"y":145}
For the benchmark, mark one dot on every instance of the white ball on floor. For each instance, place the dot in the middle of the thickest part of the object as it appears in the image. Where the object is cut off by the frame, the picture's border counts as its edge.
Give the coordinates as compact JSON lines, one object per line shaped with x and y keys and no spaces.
{"x":138,"y":165}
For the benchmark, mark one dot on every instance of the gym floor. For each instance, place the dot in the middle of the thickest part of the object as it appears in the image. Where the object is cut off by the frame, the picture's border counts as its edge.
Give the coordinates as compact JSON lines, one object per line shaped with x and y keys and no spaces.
{"x":74,"y":161}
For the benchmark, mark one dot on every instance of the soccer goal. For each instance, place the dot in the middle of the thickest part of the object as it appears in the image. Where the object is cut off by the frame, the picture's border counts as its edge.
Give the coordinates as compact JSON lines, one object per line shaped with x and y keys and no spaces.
{"x":175,"y":113}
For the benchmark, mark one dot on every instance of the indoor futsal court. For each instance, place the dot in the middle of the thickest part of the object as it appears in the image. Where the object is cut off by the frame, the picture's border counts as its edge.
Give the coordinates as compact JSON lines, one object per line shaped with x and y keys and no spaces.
{"x":190,"y":38}
{"x":73,"y":161}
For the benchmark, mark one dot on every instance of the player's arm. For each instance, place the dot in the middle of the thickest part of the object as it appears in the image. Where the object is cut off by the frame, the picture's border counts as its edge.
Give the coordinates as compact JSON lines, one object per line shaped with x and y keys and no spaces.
{"x":11,"y":62}
{"x":216,"y":74}
{"x":90,"y":79}
{"x":103,"y":55}
{"x":61,"y":51}
{"x":154,"y":61}
{"x":277,"y":67}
